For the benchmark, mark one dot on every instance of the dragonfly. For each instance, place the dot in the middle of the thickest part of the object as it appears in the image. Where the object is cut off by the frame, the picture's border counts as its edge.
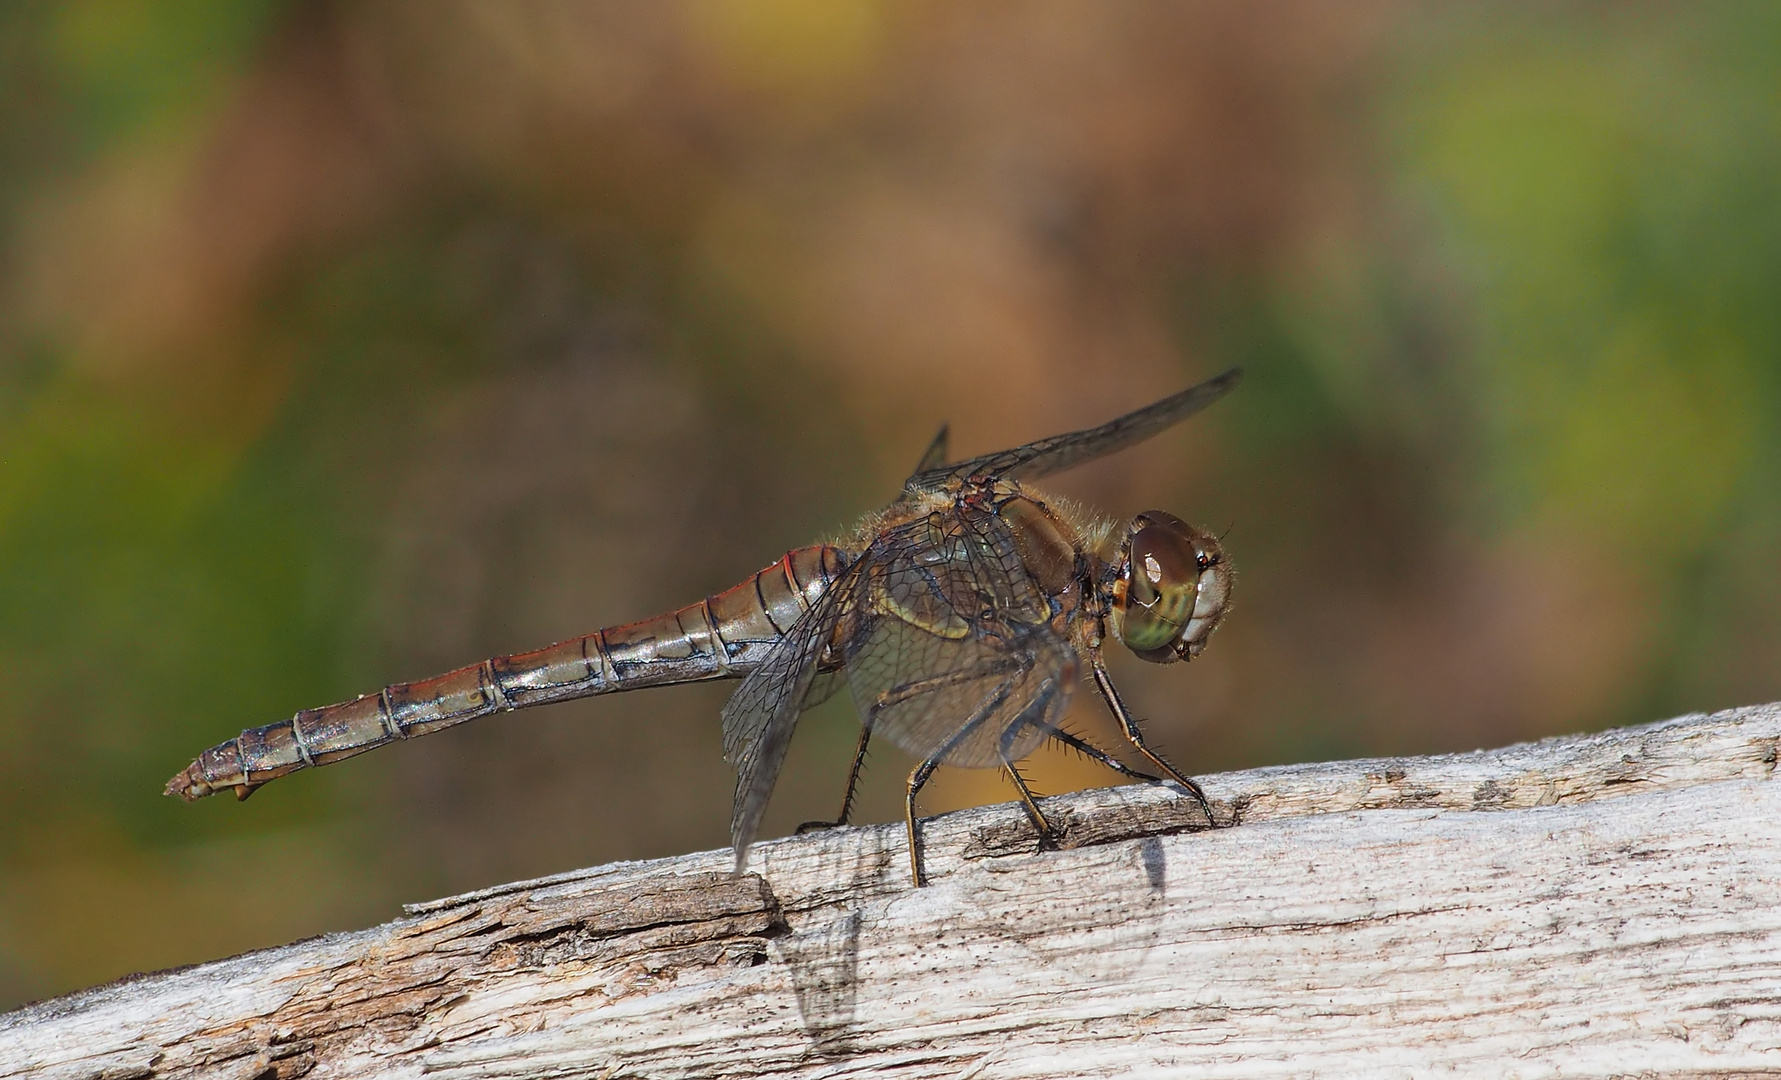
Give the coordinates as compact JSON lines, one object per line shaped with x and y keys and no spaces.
{"x":960,"y":618}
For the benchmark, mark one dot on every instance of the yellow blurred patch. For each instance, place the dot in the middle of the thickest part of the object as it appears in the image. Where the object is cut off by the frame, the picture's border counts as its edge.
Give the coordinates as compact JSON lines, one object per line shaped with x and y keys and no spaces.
{"x":793,"y":48}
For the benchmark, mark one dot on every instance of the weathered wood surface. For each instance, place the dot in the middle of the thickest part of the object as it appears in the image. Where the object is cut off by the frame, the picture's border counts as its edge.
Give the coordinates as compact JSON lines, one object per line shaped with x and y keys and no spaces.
{"x":1604,"y":905}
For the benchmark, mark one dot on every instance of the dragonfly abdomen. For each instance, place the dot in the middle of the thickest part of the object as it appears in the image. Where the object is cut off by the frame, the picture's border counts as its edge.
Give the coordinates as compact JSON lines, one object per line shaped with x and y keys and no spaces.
{"x":725,"y":635}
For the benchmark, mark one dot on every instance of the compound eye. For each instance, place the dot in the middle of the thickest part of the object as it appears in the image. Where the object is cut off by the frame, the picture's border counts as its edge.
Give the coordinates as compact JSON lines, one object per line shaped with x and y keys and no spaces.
{"x":1162,"y":560}
{"x":1174,"y":588}
{"x":1161,"y":578}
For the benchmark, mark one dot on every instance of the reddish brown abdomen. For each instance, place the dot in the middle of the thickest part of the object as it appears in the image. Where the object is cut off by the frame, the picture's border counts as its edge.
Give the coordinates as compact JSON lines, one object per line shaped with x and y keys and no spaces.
{"x":722,"y":636}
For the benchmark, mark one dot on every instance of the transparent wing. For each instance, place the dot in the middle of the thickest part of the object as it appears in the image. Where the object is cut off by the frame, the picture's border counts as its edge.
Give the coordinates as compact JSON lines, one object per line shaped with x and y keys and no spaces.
{"x":972,"y":703}
{"x":949,"y":650}
{"x":931,"y":459}
{"x":1060,"y":452}
{"x":759,"y":719}
{"x":935,"y":455}
{"x":822,"y":688}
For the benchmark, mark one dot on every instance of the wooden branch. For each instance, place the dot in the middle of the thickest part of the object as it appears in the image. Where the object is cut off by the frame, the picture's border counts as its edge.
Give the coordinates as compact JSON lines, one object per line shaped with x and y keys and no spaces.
{"x":1585,"y":906}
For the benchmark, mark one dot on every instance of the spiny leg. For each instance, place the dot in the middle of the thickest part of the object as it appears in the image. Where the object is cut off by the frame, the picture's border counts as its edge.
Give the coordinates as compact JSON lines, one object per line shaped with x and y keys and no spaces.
{"x":1083,"y":746}
{"x":1047,"y":835}
{"x":1038,"y":706}
{"x":853,"y":781}
{"x":1129,"y":726}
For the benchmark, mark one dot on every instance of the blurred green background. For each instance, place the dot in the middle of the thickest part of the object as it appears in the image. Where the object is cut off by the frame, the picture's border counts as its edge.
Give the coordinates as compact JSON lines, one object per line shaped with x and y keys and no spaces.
{"x":347,"y":343}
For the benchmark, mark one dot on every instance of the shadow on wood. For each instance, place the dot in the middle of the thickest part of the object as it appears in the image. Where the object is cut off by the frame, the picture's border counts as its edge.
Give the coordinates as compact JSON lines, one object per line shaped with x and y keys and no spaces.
{"x":1583,"y":906}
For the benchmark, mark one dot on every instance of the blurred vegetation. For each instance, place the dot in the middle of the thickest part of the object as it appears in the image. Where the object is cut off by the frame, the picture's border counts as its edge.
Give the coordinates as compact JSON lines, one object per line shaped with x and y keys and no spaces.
{"x":342,"y":344}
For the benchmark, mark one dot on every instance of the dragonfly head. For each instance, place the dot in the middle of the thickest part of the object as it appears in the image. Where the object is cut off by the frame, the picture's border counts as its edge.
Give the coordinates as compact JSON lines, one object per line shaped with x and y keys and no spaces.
{"x":1172,"y":589}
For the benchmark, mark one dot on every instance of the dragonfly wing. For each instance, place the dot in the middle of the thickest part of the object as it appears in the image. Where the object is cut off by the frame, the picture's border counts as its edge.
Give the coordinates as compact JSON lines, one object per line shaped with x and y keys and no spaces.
{"x":759,"y":719}
{"x":935,"y":455}
{"x":1060,"y":452}
{"x":950,"y":643}
{"x":822,"y":688}
{"x":931,"y":459}
{"x":971,"y":703}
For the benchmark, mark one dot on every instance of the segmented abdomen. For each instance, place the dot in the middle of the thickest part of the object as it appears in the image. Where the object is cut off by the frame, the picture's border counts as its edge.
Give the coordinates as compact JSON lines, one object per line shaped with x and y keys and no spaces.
{"x":721,"y":636}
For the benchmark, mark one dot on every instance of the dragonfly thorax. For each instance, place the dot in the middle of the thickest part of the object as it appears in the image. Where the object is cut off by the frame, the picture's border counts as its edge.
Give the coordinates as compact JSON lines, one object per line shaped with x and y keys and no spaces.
{"x":1172,"y":589}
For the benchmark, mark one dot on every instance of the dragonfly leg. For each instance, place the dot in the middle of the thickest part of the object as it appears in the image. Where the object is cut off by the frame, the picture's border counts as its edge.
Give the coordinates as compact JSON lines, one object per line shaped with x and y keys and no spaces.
{"x":1129,"y":725}
{"x":853,"y":781}
{"x":1047,"y":835}
{"x":1040,"y":706}
{"x":896,"y":695}
{"x":1083,"y":746}
{"x":919,"y":777}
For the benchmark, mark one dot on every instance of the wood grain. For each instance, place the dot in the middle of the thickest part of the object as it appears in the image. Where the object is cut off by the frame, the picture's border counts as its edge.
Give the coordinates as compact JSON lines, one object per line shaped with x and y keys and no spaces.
{"x":1602,"y":905}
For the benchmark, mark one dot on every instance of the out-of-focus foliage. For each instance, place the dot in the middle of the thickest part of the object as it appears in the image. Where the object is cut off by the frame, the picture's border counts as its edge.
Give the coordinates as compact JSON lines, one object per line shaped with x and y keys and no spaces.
{"x":346,"y":343}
